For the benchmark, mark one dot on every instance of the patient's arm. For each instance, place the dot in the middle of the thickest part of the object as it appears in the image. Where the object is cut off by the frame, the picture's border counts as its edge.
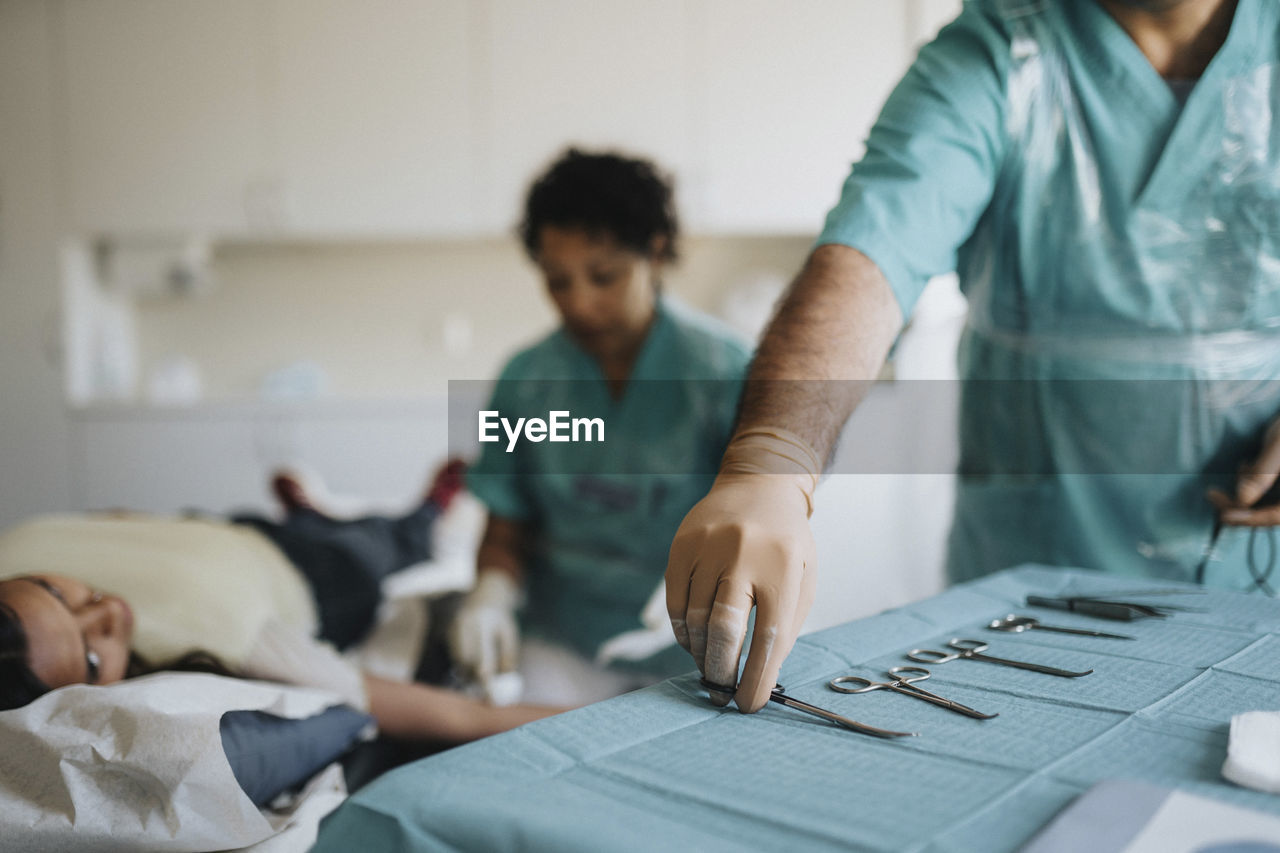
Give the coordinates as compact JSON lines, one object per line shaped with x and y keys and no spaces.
{"x":421,"y":712}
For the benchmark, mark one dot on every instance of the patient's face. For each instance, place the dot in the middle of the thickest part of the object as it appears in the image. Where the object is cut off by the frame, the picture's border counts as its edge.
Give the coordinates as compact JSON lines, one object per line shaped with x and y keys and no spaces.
{"x":74,"y":635}
{"x":605,"y":293}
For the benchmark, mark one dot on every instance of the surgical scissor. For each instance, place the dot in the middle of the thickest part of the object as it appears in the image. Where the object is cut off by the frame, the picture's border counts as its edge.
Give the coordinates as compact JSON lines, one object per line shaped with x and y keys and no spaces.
{"x":973,"y":649}
{"x":904,"y":678}
{"x":780,"y":696}
{"x":1018,"y":624}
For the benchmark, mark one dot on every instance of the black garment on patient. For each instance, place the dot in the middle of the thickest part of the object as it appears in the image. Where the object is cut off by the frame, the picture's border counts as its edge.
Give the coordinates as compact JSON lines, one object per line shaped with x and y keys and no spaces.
{"x":345,"y":562}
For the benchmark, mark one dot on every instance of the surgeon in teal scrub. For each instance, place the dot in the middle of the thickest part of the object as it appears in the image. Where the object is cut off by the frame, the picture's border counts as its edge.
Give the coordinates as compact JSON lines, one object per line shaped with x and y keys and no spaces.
{"x":1105,"y":177}
{"x":578,"y":532}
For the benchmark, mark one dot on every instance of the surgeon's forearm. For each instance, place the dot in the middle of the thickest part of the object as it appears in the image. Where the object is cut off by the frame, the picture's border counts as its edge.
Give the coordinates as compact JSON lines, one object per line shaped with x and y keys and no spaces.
{"x":824,"y":347}
{"x":503,"y":547}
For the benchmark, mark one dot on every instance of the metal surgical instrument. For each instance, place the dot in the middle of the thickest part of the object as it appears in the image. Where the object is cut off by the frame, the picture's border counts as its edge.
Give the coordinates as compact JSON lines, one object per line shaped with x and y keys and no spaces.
{"x":1211,"y":551}
{"x":1018,"y":624}
{"x":1100,"y":607}
{"x":780,"y":696}
{"x":973,"y":649}
{"x":904,"y":678}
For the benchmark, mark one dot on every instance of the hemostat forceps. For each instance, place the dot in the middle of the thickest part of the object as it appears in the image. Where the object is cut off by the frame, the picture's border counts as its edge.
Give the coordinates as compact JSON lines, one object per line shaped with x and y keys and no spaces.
{"x":780,"y":696}
{"x":1018,"y":624}
{"x":973,"y":650}
{"x":904,"y":678}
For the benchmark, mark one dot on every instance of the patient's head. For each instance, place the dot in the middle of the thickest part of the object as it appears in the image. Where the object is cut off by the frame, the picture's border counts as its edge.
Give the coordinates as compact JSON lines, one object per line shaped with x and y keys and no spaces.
{"x":601,"y":227}
{"x":56,"y":631}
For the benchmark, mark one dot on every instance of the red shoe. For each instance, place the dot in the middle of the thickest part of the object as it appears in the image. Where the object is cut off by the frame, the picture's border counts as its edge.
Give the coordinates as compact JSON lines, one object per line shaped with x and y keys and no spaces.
{"x":447,"y":483}
{"x":288,"y":489}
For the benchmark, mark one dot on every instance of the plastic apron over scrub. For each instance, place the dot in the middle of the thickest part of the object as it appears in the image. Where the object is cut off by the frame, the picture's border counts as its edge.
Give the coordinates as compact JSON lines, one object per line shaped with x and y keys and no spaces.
{"x":1121,"y":255}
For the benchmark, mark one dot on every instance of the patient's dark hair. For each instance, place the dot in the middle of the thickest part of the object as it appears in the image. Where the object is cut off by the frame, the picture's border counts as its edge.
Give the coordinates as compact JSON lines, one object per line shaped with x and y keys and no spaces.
{"x":603,"y":194}
{"x":19,"y":685}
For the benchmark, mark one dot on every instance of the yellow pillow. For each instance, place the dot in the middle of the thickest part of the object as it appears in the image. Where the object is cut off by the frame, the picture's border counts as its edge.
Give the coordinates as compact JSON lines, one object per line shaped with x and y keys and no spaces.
{"x":192,"y":584}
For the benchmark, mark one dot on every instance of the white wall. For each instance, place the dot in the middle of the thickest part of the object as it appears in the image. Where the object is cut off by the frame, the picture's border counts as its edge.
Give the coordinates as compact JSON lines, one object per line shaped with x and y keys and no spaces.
{"x":373,"y":316}
{"x":34,"y":470}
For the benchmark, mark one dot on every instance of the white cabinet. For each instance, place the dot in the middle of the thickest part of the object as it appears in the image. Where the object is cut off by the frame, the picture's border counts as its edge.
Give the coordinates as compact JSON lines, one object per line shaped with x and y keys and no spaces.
{"x":219,"y":457}
{"x":791,"y":90}
{"x":427,"y":118}
{"x":151,"y":463}
{"x":294,"y":117}
{"x":373,"y":113}
{"x":163,"y":124}
{"x":758,"y":107}
{"x":597,"y":73}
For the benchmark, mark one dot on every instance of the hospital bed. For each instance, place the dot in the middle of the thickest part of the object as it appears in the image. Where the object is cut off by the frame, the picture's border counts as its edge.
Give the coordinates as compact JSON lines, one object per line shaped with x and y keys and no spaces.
{"x":139,"y":765}
{"x":663,"y":769}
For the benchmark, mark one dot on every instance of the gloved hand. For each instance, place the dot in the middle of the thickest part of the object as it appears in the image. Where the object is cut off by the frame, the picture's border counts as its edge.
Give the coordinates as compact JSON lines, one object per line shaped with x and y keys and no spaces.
{"x":643,"y":642}
{"x":484,"y":638}
{"x":747,"y":543}
{"x":1256,"y":502}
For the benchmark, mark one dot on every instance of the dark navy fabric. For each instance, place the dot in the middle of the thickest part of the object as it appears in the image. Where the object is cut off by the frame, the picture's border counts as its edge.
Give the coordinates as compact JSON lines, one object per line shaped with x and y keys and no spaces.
{"x":270,"y":754}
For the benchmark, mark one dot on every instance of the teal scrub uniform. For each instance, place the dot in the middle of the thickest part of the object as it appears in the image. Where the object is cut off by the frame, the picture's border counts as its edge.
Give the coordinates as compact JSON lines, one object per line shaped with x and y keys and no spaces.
{"x":602,"y":514}
{"x":1118,"y":240}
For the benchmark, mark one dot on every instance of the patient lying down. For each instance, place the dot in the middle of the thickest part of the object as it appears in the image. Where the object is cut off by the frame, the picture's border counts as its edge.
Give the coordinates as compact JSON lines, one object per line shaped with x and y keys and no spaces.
{"x":56,"y":631}
{"x":209,"y":596}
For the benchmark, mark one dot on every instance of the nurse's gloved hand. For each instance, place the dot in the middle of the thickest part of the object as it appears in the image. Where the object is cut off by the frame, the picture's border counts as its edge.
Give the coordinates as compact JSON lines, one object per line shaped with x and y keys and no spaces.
{"x":484,"y":637}
{"x":1256,"y":502}
{"x":644,"y":642}
{"x":747,"y":543}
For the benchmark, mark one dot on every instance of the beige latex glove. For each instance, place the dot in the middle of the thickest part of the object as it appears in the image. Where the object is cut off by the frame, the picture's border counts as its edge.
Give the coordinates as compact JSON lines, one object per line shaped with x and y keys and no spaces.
{"x":484,"y":638}
{"x":747,"y":543}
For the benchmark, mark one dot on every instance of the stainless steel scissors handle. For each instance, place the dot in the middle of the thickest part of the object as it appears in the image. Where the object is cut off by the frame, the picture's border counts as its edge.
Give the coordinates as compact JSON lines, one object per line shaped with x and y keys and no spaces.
{"x":898,"y":674}
{"x":973,"y":649}
{"x":904,"y":684}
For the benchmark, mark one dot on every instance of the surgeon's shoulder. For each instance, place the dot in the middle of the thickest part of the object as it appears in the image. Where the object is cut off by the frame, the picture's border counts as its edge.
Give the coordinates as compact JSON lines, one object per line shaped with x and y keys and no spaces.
{"x":708,"y":347}
{"x":991,"y":18}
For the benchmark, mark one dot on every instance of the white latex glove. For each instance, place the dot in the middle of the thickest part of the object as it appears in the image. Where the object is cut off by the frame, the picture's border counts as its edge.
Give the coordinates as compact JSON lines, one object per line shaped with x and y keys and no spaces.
{"x":484,"y":637}
{"x":503,"y":689}
{"x":644,"y":642}
{"x":747,"y":543}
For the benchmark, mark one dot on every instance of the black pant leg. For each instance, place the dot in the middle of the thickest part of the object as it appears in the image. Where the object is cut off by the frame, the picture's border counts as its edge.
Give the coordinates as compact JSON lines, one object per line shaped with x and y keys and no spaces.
{"x":345,"y":591}
{"x":345,"y":561}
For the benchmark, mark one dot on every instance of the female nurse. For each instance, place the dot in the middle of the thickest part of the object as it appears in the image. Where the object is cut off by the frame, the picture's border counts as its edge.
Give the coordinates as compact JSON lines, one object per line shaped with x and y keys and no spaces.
{"x":578,"y":532}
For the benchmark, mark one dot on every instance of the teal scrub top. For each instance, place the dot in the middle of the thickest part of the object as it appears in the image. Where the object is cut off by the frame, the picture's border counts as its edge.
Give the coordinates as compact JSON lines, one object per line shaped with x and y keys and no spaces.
{"x":1119,"y":245}
{"x":602,"y":515}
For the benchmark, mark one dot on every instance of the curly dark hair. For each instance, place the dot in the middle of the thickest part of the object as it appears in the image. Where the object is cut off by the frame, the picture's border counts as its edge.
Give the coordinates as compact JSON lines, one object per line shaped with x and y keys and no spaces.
{"x":19,"y":684}
{"x":603,"y":194}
